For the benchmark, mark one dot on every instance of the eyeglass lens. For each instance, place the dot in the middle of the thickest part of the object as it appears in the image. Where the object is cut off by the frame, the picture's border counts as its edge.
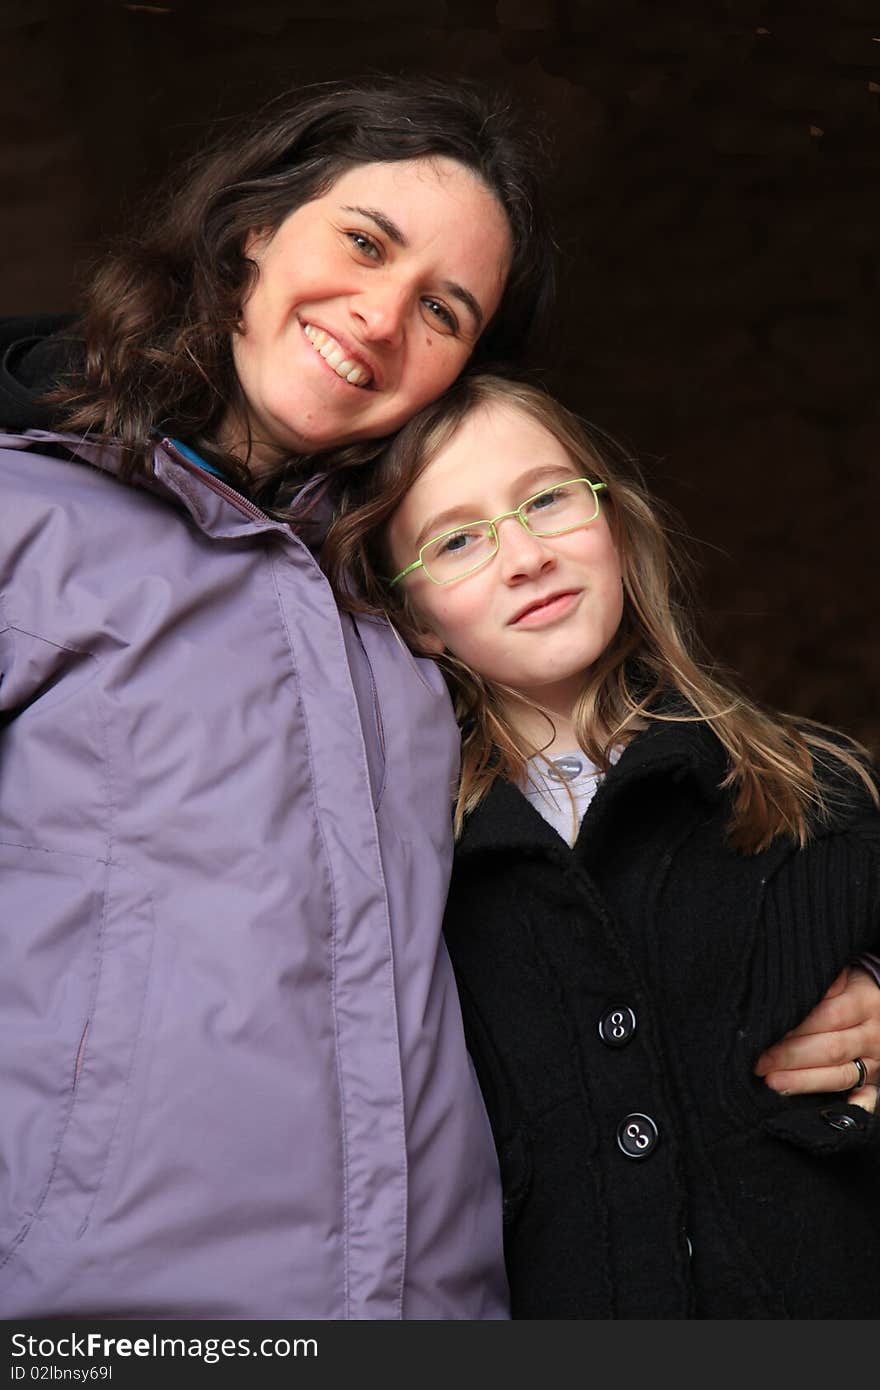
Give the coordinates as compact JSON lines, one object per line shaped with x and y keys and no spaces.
{"x":563,"y":507}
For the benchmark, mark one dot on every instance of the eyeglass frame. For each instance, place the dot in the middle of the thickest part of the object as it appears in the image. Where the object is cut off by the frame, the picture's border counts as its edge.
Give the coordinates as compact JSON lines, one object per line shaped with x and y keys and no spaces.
{"x":596,"y":488}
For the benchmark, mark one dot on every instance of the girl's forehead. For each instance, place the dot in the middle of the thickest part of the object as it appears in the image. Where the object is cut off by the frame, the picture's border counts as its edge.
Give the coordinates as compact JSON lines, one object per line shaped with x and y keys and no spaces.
{"x":497,"y":457}
{"x":497,"y":439}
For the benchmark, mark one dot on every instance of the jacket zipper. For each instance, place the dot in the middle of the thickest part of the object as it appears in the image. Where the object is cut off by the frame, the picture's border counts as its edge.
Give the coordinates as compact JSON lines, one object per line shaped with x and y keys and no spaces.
{"x":216,"y":484}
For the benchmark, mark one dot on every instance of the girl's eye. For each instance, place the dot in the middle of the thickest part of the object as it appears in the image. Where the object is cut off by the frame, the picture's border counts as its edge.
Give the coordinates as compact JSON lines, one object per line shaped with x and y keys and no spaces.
{"x":365,"y":245}
{"x":458,"y":541}
{"x":551,"y":498}
{"x":441,"y":318}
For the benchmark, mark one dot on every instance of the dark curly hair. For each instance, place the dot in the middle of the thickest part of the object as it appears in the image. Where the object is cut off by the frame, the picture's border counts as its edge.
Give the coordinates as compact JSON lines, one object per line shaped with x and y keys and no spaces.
{"x":161,"y":308}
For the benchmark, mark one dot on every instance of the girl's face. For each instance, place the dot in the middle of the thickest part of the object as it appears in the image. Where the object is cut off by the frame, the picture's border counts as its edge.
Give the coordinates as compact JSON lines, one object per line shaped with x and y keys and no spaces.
{"x":367,"y":305}
{"x":542,"y":611}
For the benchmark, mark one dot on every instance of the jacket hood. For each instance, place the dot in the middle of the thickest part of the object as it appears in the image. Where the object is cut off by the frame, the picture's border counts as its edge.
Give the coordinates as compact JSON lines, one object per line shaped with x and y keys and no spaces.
{"x":36,"y":350}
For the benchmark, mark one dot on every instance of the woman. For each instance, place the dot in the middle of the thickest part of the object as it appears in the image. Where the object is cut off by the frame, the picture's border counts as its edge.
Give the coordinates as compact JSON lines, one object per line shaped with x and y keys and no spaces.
{"x":654,"y":878}
{"x":234,"y":1078}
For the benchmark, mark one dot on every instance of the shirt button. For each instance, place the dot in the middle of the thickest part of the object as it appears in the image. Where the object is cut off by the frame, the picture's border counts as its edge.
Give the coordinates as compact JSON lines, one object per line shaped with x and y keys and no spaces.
{"x":617,"y":1026}
{"x":566,"y":768}
{"x":839,"y":1119}
{"x":637,"y":1135}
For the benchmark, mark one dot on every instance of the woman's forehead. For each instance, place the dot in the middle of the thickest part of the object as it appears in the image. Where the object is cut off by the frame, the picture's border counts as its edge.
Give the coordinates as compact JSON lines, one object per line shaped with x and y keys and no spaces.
{"x":435,"y":177}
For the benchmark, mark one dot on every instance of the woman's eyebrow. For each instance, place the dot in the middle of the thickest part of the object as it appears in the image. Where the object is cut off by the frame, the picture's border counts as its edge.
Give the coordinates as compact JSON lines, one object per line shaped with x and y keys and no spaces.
{"x":383,"y":221}
{"x":394,"y":233}
{"x":466,"y":298}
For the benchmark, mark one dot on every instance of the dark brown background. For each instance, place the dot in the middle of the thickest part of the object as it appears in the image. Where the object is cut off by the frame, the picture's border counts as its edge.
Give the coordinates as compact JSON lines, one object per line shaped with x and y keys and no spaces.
{"x":717,"y":198}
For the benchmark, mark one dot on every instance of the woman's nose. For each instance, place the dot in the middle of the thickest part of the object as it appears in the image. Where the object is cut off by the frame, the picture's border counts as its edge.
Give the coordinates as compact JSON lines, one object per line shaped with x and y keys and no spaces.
{"x":382,"y":311}
{"x":520,"y":553}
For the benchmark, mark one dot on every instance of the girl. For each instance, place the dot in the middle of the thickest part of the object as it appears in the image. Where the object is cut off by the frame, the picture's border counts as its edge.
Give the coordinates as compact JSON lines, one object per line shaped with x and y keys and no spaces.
{"x":653,"y":879}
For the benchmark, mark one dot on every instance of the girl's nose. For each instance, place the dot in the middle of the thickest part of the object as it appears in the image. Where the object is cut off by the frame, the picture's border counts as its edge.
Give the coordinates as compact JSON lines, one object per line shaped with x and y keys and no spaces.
{"x":520,"y":554}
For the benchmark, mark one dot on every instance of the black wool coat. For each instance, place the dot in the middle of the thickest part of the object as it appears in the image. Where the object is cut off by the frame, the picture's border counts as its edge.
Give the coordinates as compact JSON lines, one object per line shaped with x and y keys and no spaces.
{"x":616,"y":996}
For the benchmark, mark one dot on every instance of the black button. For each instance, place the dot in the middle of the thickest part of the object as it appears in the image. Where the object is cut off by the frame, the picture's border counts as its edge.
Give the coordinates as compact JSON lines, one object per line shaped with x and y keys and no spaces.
{"x":839,"y":1119}
{"x":617,"y":1026}
{"x":637,"y":1135}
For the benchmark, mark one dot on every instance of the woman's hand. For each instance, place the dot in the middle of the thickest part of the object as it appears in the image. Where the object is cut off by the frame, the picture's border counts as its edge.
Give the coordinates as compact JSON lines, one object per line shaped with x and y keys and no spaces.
{"x":818,"y":1054}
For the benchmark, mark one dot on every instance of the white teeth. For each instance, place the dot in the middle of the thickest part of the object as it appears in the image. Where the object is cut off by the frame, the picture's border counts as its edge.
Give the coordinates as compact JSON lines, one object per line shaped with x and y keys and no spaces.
{"x":335,"y":357}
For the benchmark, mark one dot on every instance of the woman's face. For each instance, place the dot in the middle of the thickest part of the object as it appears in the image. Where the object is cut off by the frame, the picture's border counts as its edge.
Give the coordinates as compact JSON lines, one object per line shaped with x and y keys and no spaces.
{"x":367,"y":305}
{"x":543,"y":610}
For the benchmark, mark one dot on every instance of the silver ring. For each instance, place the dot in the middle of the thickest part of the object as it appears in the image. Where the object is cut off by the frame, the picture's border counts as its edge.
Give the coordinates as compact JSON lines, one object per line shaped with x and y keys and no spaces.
{"x":862,"y":1070}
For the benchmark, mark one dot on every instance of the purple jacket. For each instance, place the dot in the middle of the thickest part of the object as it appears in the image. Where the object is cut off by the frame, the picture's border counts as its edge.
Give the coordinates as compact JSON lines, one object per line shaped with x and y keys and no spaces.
{"x":233,"y":1080}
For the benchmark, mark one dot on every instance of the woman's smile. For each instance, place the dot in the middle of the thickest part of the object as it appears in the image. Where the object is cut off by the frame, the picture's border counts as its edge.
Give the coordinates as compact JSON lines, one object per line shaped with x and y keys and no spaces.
{"x":348,"y":366}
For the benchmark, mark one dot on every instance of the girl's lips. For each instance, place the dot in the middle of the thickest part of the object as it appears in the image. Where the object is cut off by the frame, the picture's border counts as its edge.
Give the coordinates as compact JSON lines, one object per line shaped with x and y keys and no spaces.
{"x":547,"y":610}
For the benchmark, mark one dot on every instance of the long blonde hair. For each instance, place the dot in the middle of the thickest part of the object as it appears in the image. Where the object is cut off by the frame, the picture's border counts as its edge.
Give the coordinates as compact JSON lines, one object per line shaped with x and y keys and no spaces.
{"x":652,"y":670}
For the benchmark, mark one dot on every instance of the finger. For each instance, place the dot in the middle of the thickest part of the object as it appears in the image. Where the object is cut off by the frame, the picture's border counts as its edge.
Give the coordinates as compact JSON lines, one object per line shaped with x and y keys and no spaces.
{"x":842,"y":1025}
{"x":815,"y":1050}
{"x":858,"y":1002}
{"x":839,"y":985}
{"x":853,"y":998}
{"x":810,"y":1079}
{"x":825,"y":1014}
{"x":868,"y":1097}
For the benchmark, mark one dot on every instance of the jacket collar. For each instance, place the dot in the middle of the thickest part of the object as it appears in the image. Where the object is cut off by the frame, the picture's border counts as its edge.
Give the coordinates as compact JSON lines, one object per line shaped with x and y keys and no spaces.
{"x":506,"y":821}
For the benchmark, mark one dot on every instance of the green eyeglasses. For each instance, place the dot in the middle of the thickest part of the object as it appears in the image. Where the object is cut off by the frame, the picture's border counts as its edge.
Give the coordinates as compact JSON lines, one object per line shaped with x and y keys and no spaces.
{"x":566,"y":506}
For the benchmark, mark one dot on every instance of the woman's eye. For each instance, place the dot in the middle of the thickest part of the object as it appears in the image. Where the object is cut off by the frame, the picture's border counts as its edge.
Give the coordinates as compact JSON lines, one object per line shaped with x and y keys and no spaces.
{"x":365,"y":245}
{"x":441,"y":317}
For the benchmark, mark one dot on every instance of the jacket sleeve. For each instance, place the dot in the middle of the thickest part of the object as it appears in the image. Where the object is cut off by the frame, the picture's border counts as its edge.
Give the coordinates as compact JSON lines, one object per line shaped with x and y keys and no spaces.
{"x":823,"y":912}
